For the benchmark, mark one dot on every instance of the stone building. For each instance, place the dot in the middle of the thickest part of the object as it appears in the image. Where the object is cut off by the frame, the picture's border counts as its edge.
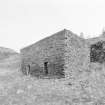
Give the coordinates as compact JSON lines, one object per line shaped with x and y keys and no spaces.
{"x":61,"y":55}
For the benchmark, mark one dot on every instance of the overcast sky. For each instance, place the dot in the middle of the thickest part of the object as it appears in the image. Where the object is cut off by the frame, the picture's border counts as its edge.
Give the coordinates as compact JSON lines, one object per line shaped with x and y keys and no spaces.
{"x":23,"y":22}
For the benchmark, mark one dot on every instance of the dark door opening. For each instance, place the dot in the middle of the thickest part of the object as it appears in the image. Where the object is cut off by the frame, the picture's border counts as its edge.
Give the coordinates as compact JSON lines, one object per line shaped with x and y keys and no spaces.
{"x":27,"y":69}
{"x":46,"y":67}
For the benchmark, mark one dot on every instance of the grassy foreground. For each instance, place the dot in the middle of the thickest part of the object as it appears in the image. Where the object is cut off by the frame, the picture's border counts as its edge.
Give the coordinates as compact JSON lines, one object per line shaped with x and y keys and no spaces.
{"x":16,"y":89}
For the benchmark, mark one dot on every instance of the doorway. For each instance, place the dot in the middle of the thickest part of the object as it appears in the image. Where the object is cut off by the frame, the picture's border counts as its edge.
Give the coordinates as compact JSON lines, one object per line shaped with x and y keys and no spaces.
{"x":46,"y":68}
{"x":27,"y":69}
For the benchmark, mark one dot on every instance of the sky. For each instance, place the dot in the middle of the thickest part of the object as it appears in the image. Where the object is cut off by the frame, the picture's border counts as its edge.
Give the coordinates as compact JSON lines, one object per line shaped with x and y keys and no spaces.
{"x":24,"y":22}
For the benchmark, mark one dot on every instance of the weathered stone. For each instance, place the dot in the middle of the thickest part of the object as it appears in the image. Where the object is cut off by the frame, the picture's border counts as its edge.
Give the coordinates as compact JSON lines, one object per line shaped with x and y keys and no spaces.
{"x":63,"y":54}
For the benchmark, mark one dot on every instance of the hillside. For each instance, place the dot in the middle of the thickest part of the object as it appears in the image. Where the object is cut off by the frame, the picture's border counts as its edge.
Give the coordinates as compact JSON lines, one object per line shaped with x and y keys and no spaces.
{"x":9,"y":61}
{"x":6,"y":53}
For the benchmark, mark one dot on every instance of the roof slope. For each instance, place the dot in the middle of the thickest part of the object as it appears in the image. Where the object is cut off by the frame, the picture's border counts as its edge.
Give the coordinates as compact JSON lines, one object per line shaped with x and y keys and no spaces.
{"x":62,"y":32}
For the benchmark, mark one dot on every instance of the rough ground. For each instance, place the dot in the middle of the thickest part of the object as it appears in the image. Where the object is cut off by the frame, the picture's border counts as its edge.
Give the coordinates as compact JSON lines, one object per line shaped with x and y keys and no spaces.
{"x":16,"y":89}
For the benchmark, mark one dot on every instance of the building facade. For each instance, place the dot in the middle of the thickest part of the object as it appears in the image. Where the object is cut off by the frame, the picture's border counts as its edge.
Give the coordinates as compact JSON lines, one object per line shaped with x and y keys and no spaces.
{"x":61,"y":55}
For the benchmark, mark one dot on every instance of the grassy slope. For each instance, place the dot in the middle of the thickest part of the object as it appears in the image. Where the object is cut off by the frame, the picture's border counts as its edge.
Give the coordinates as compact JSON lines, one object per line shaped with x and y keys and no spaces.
{"x":16,"y":89}
{"x":6,"y":53}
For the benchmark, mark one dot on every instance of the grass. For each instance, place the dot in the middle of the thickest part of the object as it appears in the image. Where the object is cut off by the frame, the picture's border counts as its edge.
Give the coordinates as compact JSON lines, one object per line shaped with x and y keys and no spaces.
{"x":16,"y":89}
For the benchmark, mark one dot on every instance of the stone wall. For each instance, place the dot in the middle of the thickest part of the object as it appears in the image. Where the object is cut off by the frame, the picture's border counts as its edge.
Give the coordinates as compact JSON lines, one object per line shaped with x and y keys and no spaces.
{"x":76,"y":55}
{"x":50,"y":50}
{"x":63,"y":54}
